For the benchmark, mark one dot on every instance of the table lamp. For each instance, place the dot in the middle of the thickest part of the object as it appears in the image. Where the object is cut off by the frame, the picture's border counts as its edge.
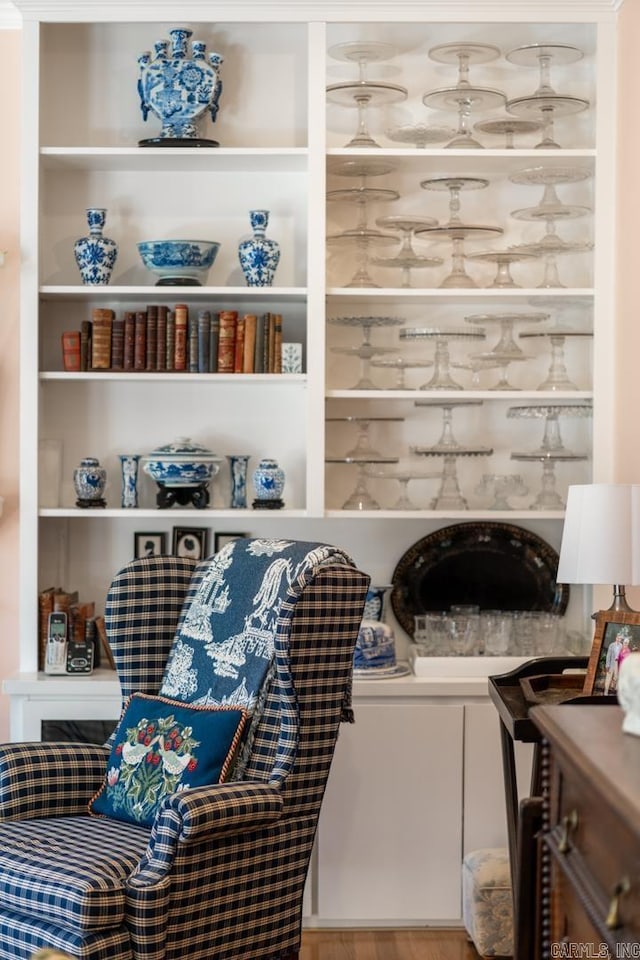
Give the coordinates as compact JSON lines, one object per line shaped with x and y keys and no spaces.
{"x":601,"y":538}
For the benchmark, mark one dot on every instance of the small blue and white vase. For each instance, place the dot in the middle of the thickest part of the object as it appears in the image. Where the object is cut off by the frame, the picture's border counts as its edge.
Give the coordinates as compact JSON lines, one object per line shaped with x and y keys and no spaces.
{"x":259,"y":256}
{"x":89,"y":481}
{"x":129,"y":470}
{"x":95,"y":255}
{"x":238,"y":466}
{"x":268,"y":483}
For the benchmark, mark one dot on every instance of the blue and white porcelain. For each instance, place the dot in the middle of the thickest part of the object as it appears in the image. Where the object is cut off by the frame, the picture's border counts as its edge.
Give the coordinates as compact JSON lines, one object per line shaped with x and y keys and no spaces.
{"x":179,"y":88}
{"x":238,"y":463}
{"x":183,"y":463}
{"x":96,"y":254}
{"x":89,"y":481}
{"x":179,"y":261}
{"x":259,"y":256}
{"x":129,"y":470}
{"x":268,"y":480}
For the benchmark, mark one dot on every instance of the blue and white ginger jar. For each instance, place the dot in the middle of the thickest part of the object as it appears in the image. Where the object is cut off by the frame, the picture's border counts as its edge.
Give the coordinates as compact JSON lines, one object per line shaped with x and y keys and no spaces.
{"x":259,"y":256}
{"x":89,"y":479}
{"x":95,"y":255}
{"x":268,"y":480}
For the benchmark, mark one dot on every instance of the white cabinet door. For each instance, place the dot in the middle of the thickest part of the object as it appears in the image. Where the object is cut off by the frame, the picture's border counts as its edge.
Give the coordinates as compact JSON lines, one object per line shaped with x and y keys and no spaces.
{"x":389,"y":836}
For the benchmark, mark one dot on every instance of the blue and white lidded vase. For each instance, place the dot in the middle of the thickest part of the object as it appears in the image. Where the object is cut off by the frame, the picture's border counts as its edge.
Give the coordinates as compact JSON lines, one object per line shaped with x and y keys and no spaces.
{"x":268,"y":483}
{"x":95,"y":255}
{"x":259,"y":256}
{"x":238,"y":466}
{"x":129,"y":469}
{"x":89,"y":481}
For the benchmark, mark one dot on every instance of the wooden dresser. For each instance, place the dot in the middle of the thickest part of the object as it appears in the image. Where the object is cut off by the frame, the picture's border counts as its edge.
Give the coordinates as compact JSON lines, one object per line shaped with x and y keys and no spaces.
{"x":588,"y":900}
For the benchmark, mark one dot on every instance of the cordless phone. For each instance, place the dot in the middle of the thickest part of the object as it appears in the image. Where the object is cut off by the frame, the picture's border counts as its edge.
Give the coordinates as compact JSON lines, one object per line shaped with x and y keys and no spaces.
{"x":56,"y":652}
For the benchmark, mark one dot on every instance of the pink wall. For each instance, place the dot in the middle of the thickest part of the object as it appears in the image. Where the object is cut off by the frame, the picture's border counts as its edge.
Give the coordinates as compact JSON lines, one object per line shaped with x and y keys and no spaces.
{"x":10,"y":67}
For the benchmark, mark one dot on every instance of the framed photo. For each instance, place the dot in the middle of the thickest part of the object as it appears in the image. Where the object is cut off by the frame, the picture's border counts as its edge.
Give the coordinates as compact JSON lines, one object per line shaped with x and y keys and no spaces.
{"x":149,"y":544}
{"x":617,"y":634}
{"x":222,"y":539}
{"x":190,"y":542}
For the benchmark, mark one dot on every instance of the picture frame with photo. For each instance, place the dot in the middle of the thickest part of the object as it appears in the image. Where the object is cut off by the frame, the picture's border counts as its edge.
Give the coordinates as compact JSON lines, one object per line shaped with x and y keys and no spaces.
{"x":147,"y":544}
{"x":222,"y":539}
{"x":190,"y":542}
{"x":617,"y":633}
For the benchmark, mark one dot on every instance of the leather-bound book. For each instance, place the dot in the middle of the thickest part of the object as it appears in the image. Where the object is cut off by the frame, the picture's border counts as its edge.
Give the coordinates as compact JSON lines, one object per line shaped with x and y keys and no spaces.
{"x":45,"y":607}
{"x":214,"y":338}
{"x":192,"y":342}
{"x":101,"y":320}
{"x":129,"y":339}
{"x":238,"y":353}
{"x":271,"y":340}
{"x":140,"y":341}
{"x":71,"y":350}
{"x":250,"y":324}
{"x":171,"y":340}
{"x":227,"y":341}
{"x":181,"y":323}
{"x":152,"y":337}
{"x":204,"y":327}
{"x":277,"y":343}
{"x":85,"y":345}
{"x":258,"y":355}
{"x":161,"y":348}
{"x":117,"y":344}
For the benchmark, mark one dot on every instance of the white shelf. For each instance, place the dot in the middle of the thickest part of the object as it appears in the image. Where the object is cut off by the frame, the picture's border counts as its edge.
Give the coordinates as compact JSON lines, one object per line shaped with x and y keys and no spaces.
{"x":226,"y":379}
{"x":175,"y":159}
{"x":155,"y":293}
{"x":523,"y":396}
{"x":207,"y":515}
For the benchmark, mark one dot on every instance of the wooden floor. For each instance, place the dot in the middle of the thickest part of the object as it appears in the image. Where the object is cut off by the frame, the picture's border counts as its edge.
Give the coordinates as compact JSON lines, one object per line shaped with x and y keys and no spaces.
{"x":416,"y":944}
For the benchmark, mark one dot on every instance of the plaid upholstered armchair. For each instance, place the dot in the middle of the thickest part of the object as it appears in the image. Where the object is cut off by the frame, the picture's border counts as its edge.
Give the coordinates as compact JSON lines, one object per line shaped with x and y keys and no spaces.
{"x":259,"y":637}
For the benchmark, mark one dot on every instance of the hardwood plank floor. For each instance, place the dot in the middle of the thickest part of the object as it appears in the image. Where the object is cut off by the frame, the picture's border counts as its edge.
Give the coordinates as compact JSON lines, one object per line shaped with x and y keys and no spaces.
{"x":381,"y":944}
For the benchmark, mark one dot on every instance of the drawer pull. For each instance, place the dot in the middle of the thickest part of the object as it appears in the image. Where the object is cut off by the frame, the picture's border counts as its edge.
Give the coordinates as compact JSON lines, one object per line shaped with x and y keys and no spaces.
{"x":613,"y":916}
{"x":569,"y":824}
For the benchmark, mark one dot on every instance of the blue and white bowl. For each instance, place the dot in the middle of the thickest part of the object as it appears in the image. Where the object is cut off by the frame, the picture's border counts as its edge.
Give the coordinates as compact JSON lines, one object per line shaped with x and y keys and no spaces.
{"x":179,"y":262}
{"x":182,"y":463}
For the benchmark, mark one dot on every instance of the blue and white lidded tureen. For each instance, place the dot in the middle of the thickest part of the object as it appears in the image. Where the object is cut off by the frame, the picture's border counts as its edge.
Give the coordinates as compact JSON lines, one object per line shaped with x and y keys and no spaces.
{"x":182,"y":469}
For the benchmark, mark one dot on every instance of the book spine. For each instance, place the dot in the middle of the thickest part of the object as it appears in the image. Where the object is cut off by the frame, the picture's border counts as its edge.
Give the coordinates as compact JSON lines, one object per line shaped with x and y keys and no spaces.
{"x":152,"y":337}
{"x":204,"y":326}
{"x":140,"y":341}
{"x":117,"y":344}
{"x":129,"y":339}
{"x":161,"y":351}
{"x":238,"y":359}
{"x":171,"y":340}
{"x":45,"y":607}
{"x":258,"y":360}
{"x":277,"y":344}
{"x":71,"y":350}
{"x":214,"y":337}
{"x":271,"y":343}
{"x":181,"y":321}
{"x":192,"y":342}
{"x":101,"y":339}
{"x":250,"y":324}
{"x":85,"y":345}
{"x":227,"y":341}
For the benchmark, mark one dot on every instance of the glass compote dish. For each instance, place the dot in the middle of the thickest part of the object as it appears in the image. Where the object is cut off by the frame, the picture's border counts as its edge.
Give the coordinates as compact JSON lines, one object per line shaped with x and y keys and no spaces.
{"x":552,"y":449}
{"x":406,"y":259}
{"x":419,"y":135}
{"x":400,"y":365}
{"x":455,"y":229}
{"x":464,"y":97}
{"x":364,"y":93}
{"x":501,"y":486}
{"x":545,"y":104}
{"x":441,"y":379}
{"x":508,"y":127}
{"x":363,"y":446}
{"x":492,"y":360}
{"x":361,"y":498}
{"x":403,"y":474}
{"x":365,"y":350}
{"x":503,"y":260}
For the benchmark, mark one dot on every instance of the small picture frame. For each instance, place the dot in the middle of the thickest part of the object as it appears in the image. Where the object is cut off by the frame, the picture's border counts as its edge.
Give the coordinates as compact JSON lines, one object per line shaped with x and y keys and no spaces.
{"x":222,"y":539}
{"x":190,"y":542}
{"x":149,"y":544}
{"x":616,"y":634}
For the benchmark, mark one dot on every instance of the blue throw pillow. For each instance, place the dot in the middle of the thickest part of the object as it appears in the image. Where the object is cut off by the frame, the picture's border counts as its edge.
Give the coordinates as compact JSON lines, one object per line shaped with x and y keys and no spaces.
{"x":161,"y":746}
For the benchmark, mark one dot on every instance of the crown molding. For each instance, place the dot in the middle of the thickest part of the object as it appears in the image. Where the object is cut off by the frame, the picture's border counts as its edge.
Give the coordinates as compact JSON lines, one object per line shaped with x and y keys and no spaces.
{"x":308,"y":10}
{"x":10,"y":18}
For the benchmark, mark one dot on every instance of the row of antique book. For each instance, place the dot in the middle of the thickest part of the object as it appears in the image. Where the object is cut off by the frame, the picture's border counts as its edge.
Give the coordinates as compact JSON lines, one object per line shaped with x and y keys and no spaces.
{"x":181,"y":340}
{"x":83,"y":624}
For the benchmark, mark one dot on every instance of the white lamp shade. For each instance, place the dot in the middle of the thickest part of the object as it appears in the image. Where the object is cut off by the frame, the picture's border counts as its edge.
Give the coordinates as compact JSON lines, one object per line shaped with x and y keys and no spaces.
{"x":601,"y":535}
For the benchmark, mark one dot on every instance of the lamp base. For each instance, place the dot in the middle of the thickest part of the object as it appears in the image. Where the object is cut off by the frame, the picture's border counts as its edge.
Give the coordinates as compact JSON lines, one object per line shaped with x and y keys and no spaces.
{"x":620,"y":604}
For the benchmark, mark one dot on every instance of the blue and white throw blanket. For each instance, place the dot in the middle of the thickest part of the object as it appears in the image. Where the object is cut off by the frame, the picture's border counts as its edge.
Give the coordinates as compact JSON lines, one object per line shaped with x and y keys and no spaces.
{"x":224,"y":652}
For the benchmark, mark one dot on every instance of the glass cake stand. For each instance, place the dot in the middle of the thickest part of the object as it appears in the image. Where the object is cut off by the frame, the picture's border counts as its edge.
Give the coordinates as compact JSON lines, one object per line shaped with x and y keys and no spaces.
{"x":360,"y":498}
{"x":492,"y":360}
{"x":449,"y":496}
{"x":557,"y":375}
{"x":364,"y":93}
{"x":441,"y":379}
{"x":363,"y":236}
{"x":420,"y":135}
{"x":506,"y":321}
{"x":406,"y":259}
{"x":508,"y":127}
{"x":501,"y":486}
{"x":363,"y":446}
{"x":365,"y":350}
{"x":545,"y":104}
{"x":400,"y":365}
{"x":447,"y":441}
{"x":403,"y":475}
{"x":503,"y":260}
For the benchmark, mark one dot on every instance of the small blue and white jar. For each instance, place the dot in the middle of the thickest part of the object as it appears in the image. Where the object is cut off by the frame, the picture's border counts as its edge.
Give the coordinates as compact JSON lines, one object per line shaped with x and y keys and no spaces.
{"x":259,"y":256}
{"x":95,"y":255}
{"x":129,"y":470}
{"x":89,"y":481}
{"x":268,"y":483}
{"x":238,"y":463}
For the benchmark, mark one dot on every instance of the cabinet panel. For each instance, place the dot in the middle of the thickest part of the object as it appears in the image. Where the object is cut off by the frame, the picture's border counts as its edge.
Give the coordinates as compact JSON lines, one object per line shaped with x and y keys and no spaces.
{"x":389,"y":834}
